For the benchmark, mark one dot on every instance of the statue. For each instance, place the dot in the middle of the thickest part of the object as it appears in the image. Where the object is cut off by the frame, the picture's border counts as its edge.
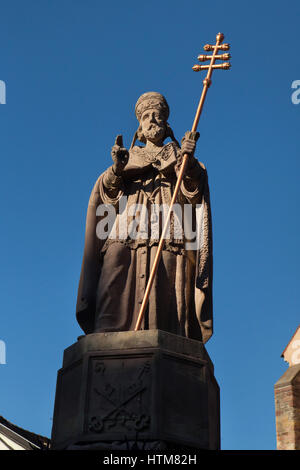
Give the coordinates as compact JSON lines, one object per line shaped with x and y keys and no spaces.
{"x":147,"y":264}
{"x":115,"y":269}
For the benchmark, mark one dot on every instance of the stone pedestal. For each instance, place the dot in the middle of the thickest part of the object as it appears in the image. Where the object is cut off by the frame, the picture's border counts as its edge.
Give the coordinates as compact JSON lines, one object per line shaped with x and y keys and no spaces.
{"x":287,"y":405}
{"x":145,"y":389}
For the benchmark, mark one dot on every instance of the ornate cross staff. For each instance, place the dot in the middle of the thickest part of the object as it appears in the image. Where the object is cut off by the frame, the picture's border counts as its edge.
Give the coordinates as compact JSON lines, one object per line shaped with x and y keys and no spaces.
{"x":206,"y":84}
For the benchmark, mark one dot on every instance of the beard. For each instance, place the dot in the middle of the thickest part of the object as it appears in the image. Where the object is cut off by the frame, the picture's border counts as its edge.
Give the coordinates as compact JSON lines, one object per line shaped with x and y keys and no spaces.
{"x":154,"y":132}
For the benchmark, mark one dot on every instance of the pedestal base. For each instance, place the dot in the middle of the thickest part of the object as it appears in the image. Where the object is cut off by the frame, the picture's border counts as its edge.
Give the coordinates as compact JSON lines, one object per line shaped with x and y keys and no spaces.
{"x":143,"y":390}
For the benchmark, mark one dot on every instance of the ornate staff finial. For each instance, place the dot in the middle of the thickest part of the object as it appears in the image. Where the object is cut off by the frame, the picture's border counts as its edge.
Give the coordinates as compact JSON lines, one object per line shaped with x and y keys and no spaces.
{"x":216,"y":48}
{"x":210,"y":67}
{"x":206,"y":84}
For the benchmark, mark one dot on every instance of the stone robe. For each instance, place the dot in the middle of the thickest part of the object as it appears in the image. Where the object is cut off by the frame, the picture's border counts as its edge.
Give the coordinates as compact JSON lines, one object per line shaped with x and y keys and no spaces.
{"x":115,"y":270}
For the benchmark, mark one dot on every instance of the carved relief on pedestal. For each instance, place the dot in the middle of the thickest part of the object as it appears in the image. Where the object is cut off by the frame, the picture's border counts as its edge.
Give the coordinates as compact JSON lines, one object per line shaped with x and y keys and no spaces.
{"x":119,"y":395}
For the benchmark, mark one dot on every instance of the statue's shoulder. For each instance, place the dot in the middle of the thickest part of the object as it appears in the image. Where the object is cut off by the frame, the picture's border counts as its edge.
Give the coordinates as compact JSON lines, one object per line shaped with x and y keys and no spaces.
{"x":173,"y":146}
{"x":137,"y":149}
{"x":137,"y":163}
{"x":137,"y":155}
{"x":141,"y":150}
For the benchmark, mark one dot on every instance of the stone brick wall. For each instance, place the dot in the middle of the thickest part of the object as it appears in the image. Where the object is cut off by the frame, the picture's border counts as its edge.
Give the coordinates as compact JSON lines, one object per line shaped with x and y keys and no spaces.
{"x":287,"y":407}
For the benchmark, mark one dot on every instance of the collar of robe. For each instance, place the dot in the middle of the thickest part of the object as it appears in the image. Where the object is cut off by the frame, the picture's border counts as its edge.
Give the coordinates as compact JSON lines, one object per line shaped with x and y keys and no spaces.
{"x":140,"y":161}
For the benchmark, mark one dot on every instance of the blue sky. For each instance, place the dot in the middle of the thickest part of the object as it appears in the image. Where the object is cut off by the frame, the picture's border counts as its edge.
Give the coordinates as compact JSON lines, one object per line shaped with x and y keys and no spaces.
{"x":73,"y":72}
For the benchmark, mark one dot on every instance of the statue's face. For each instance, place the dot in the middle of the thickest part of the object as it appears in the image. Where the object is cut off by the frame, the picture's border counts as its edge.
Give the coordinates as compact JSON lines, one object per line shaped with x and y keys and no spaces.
{"x":153,"y":125}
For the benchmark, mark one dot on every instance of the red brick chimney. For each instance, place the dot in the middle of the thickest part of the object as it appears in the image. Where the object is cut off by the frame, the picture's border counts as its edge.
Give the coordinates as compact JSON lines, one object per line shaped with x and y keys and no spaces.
{"x":287,"y":398}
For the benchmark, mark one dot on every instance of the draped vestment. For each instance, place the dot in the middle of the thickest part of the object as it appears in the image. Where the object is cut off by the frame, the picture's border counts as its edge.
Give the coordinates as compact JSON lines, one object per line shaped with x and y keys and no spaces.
{"x":115,"y":269}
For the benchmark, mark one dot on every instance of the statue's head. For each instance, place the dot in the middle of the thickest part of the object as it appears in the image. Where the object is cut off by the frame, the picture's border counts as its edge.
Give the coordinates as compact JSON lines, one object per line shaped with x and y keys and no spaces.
{"x":154,"y":100}
{"x":152,"y":112}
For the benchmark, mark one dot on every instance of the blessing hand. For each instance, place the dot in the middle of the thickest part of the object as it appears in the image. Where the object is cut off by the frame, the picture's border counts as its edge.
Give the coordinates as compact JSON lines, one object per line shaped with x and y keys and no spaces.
{"x":120,"y":155}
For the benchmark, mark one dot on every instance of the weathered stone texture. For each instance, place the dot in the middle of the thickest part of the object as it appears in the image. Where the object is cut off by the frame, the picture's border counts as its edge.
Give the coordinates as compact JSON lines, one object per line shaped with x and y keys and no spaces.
{"x":146,"y":387}
{"x":287,"y":406}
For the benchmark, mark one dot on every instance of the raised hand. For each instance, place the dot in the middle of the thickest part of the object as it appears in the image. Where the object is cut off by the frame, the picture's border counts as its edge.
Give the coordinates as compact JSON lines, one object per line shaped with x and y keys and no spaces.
{"x":119,"y":155}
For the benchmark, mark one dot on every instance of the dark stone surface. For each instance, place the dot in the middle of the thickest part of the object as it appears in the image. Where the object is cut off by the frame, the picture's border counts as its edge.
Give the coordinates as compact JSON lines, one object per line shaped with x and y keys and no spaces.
{"x":288,"y":377}
{"x":136,"y":387}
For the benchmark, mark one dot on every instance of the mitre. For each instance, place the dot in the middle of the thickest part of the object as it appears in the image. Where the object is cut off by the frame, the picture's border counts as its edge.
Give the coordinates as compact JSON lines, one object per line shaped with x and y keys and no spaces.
{"x":151,"y":100}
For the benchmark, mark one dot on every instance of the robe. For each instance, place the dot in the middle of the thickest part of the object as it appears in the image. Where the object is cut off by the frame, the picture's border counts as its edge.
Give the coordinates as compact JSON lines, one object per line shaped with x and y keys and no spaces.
{"x":115,"y":269}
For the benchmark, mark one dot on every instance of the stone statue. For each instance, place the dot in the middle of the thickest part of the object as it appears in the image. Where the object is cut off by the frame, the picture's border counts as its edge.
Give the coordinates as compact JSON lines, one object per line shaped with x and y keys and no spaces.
{"x":115,"y":268}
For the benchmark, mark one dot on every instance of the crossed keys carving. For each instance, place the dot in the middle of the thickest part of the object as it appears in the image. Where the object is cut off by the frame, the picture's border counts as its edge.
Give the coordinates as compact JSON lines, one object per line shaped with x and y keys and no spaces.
{"x":118,"y":414}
